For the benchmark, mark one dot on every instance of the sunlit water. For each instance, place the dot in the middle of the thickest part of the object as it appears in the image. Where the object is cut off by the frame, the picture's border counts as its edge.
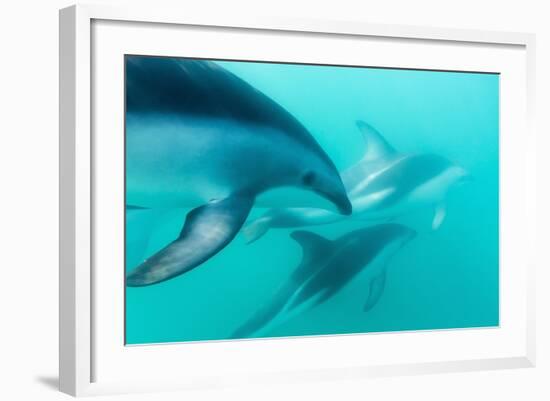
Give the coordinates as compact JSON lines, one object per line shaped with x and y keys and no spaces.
{"x":442,"y":279}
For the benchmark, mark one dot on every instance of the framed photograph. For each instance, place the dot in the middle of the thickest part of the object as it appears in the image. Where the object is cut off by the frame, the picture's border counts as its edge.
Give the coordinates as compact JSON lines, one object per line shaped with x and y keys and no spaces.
{"x":249,"y":201}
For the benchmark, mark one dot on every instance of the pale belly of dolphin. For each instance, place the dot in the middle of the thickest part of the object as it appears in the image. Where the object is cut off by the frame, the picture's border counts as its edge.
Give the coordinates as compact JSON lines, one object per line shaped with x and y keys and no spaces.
{"x":187,"y":161}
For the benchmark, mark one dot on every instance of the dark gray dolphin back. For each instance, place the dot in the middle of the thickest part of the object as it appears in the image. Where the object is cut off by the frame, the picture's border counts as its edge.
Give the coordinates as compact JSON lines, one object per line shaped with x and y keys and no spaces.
{"x":203,"y":88}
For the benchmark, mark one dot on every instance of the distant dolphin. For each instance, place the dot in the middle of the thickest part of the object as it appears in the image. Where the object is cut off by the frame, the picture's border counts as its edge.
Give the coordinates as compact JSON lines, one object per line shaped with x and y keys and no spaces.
{"x":198,"y":135}
{"x":327,"y":267}
{"x":383,"y":184}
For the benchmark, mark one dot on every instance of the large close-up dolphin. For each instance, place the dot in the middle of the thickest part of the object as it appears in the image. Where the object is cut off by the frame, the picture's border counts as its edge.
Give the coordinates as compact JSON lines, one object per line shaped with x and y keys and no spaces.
{"x":199,"y":136}
{"x":383,"y":184}
{"x":326,"y":269}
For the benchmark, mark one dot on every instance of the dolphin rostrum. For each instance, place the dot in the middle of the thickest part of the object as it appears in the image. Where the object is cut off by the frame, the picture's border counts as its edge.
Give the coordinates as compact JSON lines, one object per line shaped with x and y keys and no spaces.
{"x":327,"y":267}
{"x":197,"y":135}
{"x":383,"y":184}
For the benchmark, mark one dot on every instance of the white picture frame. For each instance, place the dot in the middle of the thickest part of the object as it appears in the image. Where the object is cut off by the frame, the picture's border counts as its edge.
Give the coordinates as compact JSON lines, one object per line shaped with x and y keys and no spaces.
{"x":81,"y":314}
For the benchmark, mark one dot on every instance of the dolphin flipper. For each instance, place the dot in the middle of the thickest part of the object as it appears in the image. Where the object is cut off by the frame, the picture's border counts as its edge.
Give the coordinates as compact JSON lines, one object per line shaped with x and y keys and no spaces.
{"x":256,"y":229}
{"x":439,"y":216}
{"x":376,"y":289}
{"x":206,"y":231}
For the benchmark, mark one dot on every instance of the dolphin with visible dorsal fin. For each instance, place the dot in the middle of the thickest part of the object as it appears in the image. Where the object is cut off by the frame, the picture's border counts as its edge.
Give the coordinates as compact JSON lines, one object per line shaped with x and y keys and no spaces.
{"x":327,"y":267}
{"x":198,"y":135}
{"x":383,"y":184}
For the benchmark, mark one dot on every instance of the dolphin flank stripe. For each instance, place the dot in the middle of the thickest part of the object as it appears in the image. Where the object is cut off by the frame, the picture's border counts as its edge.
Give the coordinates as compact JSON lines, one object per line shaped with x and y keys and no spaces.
{"x":410,"y":172}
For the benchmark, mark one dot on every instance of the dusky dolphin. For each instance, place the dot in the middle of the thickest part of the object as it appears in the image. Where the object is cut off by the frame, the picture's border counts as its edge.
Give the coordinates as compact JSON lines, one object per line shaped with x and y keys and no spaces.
{"x":383,"y":184}
{"x":326,"y":269}
{"x":196,"y":134}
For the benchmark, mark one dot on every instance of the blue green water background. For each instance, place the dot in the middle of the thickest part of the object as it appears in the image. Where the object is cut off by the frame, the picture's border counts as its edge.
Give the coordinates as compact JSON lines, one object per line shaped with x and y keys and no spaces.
{"x":443,"y":279}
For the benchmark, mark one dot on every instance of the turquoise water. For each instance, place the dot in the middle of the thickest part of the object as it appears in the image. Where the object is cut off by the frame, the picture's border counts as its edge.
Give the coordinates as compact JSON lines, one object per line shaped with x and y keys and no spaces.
{"x":445,"y":278}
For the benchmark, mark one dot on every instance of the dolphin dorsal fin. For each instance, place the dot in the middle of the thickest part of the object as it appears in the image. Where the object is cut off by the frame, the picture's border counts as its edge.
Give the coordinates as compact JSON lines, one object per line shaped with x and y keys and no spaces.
{"x":310,"y":242}
{"x":314,"y":249}
{"x":377,"y":147}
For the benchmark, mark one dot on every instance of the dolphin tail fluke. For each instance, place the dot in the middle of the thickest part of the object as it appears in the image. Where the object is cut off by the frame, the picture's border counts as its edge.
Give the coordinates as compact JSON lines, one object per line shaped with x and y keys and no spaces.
{"x":314,"y":248}
{"x":377,"y":146}
{"x":256,"y":229}
{"x":376,"y":289}
{"x":265,"y":315}
{"x":206,"y":231}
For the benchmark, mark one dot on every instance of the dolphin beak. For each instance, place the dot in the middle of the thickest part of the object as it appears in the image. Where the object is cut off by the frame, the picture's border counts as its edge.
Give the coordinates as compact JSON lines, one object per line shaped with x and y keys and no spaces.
{"x":338,"y":195}
{"x":344,"y":206}
{"x":332,"y":189}
{"x":341,"y":200}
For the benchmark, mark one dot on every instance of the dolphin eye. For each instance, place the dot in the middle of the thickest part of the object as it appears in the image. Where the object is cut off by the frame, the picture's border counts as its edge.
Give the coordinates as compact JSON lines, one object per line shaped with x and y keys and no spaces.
{"x":308,"y":178}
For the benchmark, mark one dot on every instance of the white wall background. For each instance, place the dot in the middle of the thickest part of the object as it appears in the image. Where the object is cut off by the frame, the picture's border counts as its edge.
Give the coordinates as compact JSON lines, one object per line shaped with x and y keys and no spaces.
{"x":28,"y":200}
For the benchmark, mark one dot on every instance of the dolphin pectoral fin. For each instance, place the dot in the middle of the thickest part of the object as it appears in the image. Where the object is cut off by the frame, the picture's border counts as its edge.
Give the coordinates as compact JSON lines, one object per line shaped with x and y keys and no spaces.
{"x":206,"y":231}
{"x":377,"y":147}
{"x":256,"y":229}
{"x":132,"y":207}
{"x":439,"y":216}
{"x":376,"y":289}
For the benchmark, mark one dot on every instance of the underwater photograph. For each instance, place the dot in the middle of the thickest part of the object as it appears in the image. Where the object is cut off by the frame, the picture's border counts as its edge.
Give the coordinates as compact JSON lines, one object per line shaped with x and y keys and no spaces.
{"x":271,"y":199}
